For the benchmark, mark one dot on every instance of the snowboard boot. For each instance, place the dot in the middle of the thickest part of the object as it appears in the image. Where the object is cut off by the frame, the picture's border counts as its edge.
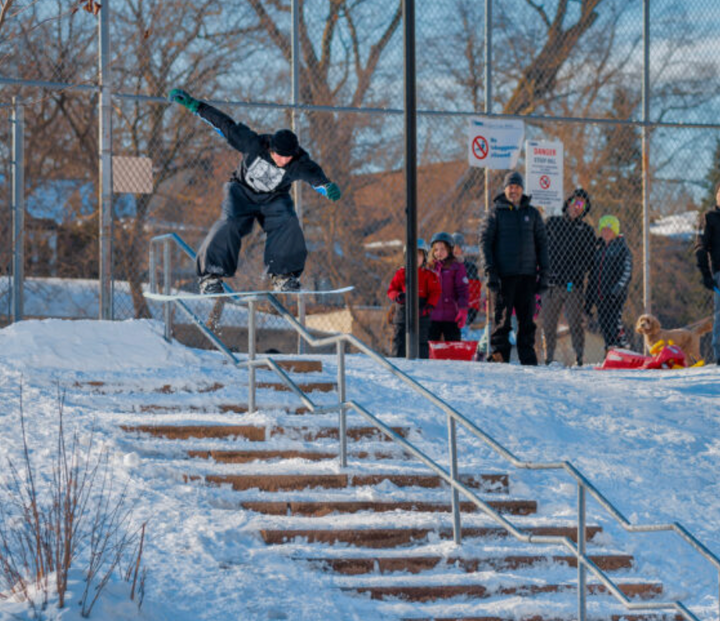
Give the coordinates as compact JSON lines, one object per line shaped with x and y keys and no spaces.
{"x":211,"y":283}
{"x":285,"y":282}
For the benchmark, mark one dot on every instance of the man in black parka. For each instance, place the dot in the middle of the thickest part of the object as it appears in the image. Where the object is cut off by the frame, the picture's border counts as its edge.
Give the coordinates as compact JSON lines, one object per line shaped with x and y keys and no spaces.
{"x":513,"y":245}
{"x":258,"y":190}
{"x":571,"y":246}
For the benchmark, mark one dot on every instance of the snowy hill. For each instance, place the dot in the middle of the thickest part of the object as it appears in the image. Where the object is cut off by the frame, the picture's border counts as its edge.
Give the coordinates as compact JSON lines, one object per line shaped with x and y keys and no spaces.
{"x":649,"y":440}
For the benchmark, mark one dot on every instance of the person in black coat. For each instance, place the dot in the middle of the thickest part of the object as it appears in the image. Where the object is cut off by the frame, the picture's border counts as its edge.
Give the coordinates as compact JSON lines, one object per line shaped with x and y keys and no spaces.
{"x":258,"y":190}
{"x":609,"y":281}
{"x":707,"y":253}
{"x":571,"y":246}
{"x":513,"y":245}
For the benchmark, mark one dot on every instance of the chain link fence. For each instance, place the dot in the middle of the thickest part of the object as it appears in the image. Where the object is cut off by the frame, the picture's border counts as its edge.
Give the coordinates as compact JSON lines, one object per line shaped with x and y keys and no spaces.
{"x":572,"y":71}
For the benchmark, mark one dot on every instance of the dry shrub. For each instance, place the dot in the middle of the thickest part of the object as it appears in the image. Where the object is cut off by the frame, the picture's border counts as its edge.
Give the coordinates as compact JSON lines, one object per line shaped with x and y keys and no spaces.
{"x":77,"y":520}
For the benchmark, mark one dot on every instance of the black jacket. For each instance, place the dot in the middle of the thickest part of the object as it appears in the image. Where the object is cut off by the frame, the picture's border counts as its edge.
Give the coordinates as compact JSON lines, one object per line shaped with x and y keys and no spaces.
{"x":611,"y":272}
{"x":708,"y":243}
{"x":261,"y":179}
{"x":513,"y":241}
{"x":571,"y":246}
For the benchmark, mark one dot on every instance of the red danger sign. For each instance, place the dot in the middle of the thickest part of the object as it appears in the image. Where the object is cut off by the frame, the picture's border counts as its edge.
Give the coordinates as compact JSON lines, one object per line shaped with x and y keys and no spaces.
{"x":480,"y":147}
{"x":545,"y":182}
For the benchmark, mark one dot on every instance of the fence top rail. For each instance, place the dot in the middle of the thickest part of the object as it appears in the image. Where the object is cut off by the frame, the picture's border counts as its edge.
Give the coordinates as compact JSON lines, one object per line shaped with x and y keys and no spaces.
{"x":530,"y":118}
{"x":496,"y":446}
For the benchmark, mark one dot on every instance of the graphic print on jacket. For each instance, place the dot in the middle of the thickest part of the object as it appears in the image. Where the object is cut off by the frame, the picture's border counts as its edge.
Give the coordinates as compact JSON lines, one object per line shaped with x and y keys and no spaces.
{"x":262,"y":176}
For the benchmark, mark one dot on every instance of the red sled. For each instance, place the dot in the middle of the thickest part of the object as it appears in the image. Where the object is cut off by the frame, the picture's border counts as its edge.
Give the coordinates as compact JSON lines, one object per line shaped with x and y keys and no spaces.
{"x":452,"y":350}
{"x":669,"y":357}
{"x":624,"y":359}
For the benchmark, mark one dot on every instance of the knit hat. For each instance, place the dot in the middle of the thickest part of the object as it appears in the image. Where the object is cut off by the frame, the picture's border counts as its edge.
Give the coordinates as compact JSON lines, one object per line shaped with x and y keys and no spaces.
{"x":513,"y":178}
{"x":285,"y":143}
{"x":458,"y":239}
{"x":609,"y":221}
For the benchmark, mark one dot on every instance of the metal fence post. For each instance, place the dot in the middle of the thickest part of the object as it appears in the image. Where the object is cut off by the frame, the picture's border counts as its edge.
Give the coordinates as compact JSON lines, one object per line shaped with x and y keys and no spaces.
{"x":647,"y":283}
{"x":582,"y":604}
{"x":342,"y":396}
{"x":152,"y":268}
{"x":297,"y":187}
{"x":488,"y":110}
{"x":18,"y":209}
{"x":455,"y":500}
{"x":251,"y":356}
{"x":167,"y":281}
{"x":105,"y":163}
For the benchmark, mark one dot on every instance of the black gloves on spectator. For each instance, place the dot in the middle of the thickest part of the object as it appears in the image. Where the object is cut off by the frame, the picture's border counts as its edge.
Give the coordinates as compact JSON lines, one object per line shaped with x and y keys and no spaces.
{"x":493,"y":282}
{"x":400,"y":299}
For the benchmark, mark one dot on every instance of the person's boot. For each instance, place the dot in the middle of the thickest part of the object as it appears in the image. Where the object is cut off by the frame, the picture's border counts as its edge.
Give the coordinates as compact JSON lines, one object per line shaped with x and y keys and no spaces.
{"x":285,"y":282}
{"x":211,"y":283}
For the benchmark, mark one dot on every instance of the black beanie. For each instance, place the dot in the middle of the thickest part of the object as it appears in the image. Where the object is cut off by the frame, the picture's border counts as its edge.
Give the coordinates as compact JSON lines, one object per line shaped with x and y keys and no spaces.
{"x":513,"y":178}
{"x":284,"y":143}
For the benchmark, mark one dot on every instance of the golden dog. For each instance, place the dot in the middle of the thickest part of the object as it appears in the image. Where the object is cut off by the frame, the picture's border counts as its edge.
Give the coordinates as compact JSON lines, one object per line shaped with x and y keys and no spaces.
{"x":687,"y":339}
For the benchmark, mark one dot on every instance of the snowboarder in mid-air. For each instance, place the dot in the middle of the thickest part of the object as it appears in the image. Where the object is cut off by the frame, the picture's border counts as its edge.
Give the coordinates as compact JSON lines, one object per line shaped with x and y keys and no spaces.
{"x":258,"y":190}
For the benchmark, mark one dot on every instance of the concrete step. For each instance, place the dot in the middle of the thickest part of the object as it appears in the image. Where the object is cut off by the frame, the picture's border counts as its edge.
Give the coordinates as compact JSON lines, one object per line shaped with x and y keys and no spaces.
{"x":417,"y":564}
{"x":487,"y":483}
{"x":309,"y":434}
{"x":258,"y":433}
{"x":253,"y":433}
{"x":395,"y":537}
{"x":322,"y":508}
{"x":428,"y":593}
{"x":244,"y":457}
{"x":304,"y":386}
{"x":300,"y":366}
{"x":222,"y":408}
{"x":104,"y":388}
{"x":296,"y":366}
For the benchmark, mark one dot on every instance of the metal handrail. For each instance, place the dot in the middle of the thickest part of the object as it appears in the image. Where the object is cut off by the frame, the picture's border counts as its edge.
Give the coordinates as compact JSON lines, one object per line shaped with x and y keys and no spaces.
{"x":454,"y":417}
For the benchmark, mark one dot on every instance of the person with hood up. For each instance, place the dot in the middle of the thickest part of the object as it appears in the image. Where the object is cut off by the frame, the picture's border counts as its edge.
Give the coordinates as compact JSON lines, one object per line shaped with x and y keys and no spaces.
{"x":571,"y":247}
{"x":609,"y":281}
{"x":514,"y":250}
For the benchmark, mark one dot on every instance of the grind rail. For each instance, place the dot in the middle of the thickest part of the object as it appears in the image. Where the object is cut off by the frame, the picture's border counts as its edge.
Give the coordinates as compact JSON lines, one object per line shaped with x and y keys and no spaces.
{"x":454,"y":418}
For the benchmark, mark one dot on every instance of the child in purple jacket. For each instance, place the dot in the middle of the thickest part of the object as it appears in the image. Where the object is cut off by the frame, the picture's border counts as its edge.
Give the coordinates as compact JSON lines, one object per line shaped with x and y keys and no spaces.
{"x":450,"y":313}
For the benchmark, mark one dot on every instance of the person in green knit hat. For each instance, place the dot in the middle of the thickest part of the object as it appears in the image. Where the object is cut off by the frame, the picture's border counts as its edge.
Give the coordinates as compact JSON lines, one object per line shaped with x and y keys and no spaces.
{"x":609,"y":280}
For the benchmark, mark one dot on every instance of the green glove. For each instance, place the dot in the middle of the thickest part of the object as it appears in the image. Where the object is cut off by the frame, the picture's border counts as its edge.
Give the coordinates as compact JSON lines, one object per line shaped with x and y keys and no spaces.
{"x":333,"y":191}
{"x":184,"y":99}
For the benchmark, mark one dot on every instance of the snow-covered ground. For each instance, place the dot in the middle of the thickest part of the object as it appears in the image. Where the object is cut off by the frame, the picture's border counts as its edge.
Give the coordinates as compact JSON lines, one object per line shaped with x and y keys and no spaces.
{"x":649,"y":440}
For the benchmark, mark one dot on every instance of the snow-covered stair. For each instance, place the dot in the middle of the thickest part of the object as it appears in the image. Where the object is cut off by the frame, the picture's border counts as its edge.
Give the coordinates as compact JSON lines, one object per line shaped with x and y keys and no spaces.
{"x":381,"y":529}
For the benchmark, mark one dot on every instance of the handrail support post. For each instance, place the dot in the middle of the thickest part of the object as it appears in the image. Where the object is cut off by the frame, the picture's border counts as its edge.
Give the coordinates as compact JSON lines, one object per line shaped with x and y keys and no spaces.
{"x":252,"y":351}
{"x":454,"y":498}
{"x":342,"y":398}
{"x":167,"y":280}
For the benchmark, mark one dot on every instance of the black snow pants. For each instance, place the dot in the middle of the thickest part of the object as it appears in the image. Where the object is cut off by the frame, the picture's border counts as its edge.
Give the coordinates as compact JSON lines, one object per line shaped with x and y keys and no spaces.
{"x":516,"y":293}
{"x":285,"y":250}
{"x":398,"y":349}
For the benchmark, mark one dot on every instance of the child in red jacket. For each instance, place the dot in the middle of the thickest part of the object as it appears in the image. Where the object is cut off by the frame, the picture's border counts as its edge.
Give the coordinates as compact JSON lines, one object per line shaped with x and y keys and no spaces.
{"x":428,"y":294}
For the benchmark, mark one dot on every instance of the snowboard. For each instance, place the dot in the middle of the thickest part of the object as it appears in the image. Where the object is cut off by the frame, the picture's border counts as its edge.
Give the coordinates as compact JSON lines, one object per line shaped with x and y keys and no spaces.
{"x":163,"y":297}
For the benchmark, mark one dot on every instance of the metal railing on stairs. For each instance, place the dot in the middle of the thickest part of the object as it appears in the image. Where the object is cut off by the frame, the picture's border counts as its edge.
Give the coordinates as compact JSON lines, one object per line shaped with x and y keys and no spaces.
{"x":450,"y":476}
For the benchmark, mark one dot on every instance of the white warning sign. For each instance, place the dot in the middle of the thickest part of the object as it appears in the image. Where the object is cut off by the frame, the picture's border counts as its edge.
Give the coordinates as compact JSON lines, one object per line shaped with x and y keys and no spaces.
{"x":544,"y":174}
{"x":494,"y":143}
